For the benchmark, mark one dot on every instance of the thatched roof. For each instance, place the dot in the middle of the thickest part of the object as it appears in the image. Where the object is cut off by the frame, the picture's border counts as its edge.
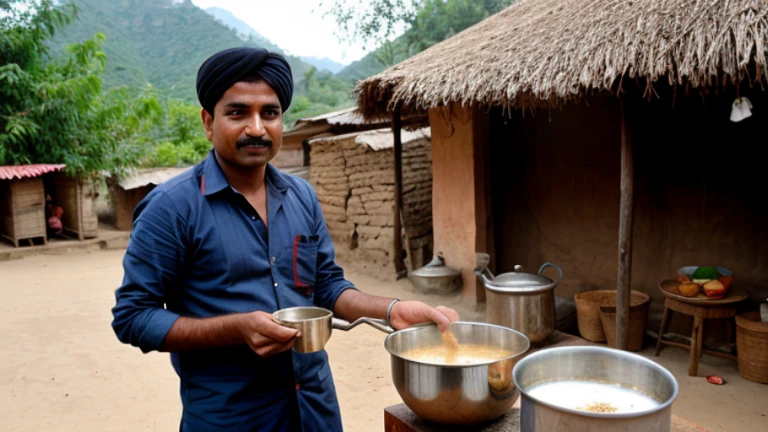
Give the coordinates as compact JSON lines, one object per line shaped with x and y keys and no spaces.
{"x":548,"y":52}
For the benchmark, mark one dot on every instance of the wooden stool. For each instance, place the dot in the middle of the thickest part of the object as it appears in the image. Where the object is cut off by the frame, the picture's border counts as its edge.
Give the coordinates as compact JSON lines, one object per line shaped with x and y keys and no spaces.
{"x":699,"y":312}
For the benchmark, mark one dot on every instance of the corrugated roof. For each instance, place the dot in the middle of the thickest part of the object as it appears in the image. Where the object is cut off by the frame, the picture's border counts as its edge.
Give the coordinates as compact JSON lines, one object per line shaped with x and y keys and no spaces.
{"x":152,"y":176}
{"x":28,"y":171}
{"x":379,"y":139}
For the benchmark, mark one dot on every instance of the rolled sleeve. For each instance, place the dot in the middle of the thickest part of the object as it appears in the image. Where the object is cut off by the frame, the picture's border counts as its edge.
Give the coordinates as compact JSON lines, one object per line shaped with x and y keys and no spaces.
{"x":151,"y":264}
{"x":330,"y":276}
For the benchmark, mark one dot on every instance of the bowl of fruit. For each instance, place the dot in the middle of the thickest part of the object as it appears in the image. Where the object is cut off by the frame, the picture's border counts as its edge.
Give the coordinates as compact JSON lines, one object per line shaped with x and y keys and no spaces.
{"x":713,"y":282}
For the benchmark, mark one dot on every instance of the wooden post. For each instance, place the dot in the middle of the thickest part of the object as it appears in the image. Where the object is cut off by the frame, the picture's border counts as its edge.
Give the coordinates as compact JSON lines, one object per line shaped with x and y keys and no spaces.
{"x":624,"y":289}
{"x":397,"y":248}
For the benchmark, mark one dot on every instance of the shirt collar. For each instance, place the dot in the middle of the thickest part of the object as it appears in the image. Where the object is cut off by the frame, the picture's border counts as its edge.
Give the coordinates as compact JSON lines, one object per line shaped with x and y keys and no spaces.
{"x":214,"y":181}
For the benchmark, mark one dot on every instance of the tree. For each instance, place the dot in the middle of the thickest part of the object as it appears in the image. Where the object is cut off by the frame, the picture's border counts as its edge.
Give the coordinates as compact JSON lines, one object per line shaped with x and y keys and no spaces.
{"x":424,"y":22}
{"x":53,"y":111}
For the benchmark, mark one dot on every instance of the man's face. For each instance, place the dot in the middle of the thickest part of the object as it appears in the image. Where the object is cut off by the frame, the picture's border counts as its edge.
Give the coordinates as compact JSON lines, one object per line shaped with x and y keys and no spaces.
{"x":247,"y":126}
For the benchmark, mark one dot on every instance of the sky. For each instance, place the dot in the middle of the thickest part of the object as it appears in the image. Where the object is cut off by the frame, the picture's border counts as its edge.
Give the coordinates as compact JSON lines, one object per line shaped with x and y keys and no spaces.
{"x":296,"y":26}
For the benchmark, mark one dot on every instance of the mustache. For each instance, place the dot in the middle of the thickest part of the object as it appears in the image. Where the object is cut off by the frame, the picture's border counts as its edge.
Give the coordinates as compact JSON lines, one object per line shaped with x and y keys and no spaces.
{"x":253,"y":141}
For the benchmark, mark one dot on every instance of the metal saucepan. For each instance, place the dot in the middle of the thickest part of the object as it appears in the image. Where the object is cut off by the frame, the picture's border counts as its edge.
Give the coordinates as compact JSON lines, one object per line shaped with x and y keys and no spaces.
{"x":640,"y":391}
{"x":441,"y":393}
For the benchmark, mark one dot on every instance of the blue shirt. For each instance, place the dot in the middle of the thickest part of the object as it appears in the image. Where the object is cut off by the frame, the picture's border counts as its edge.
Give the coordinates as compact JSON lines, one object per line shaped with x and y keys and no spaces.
{"x":199,"y":249}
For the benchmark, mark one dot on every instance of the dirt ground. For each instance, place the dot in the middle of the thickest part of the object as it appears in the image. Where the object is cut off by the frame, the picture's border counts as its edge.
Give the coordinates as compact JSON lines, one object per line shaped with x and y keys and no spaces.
{"x":62,"y":368}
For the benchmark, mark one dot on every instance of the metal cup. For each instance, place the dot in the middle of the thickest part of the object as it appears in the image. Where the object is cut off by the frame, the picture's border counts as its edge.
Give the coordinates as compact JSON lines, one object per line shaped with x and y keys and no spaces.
{"x":316,"y":324}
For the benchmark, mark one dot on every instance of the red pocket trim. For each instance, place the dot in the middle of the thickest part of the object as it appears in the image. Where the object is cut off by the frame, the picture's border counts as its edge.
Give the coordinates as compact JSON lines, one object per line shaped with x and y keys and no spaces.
{"x":296,"y":281}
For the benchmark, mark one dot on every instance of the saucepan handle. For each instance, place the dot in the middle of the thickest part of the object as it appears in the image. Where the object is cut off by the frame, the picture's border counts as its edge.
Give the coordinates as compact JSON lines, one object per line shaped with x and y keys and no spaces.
{"x":380,"y":324}
{"x":548,"y":264}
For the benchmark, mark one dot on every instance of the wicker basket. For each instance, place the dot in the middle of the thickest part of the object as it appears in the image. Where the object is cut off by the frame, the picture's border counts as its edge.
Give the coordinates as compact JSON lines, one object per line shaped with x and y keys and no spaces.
{"x":752,"y":346}
{"x":588,"y":311}
{"x":639,"y":305}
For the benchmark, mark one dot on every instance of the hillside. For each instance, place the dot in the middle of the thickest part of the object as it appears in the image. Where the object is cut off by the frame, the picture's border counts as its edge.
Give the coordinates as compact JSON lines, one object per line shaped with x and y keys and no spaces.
{"x":323,"y":63}
{"x":371,"y":64}
{"x":245,"y":31}
{"x":157,"y":42}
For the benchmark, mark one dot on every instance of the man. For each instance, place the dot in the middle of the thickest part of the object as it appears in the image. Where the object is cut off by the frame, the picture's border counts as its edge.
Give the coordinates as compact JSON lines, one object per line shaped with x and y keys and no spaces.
{"x":217,"y":249}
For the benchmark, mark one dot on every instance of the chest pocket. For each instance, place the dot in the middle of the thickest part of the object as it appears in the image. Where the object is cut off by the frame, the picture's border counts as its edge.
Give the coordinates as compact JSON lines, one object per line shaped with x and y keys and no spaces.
{"x":305,"y":263}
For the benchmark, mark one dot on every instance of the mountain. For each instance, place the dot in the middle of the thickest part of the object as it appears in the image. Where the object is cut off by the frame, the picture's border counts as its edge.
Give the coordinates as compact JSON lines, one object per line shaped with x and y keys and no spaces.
{"x":157,"y":42}
{"x":245,"y":31}
{"x":323,"y":64}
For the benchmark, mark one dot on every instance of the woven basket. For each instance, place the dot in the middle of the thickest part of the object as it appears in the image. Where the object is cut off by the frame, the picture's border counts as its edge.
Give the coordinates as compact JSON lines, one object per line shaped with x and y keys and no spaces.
{"x":639,"y":305}
{"x":752,"y":346}
{"x":588,"y":310}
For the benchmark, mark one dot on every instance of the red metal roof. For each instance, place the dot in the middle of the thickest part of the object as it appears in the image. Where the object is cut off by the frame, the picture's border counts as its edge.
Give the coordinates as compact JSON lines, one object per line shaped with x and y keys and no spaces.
{"x":28,"y":171}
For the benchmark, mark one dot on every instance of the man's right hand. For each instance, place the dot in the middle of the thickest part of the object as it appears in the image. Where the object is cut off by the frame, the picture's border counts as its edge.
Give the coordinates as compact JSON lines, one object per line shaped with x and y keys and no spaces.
{"x":265,"y":336}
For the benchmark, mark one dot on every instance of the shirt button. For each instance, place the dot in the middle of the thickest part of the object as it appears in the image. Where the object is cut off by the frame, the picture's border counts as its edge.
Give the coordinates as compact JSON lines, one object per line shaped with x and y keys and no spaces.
{"x":272,"y":261}
{"x":275,"y":284}
{"x":253,"y":217}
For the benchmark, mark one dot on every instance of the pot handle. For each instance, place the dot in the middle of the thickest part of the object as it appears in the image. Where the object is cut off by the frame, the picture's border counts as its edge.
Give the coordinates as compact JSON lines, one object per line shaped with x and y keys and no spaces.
{"x":379,"y":324}
{"x":549,"y":264}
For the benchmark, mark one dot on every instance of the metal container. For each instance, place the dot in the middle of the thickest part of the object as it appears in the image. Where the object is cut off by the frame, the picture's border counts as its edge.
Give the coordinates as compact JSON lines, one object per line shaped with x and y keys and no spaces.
{"x":436,"y":278}
{"x":522,"y":301}
{"x":316,"y":325}
{"x":442,"y":393}
{"x":565,"y":365}
{"x":456,"y":394}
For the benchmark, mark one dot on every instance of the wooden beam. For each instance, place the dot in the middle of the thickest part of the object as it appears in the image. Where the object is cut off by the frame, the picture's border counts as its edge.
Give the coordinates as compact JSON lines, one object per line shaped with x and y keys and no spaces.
{"x":397,"y":247}
{"x":625,"y":233}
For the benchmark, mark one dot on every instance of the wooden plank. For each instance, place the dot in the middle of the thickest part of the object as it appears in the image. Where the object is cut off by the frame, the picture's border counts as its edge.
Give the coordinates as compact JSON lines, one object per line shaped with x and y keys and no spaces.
{"x":625,"y":233}
{"x":397,"y":255}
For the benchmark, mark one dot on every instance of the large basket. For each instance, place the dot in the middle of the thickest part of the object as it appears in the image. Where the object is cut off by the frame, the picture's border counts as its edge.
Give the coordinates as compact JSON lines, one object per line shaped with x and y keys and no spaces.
{"x":752,"y":346}
{"x":588,"y":312}
{"x":639,"y":305}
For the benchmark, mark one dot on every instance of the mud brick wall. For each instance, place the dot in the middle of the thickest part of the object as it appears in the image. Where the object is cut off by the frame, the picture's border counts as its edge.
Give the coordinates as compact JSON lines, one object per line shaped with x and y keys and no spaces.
{"x":355,"y":187}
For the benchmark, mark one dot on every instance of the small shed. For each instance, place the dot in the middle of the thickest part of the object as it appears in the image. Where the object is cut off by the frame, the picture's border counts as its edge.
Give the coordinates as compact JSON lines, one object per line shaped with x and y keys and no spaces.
{"x":129,"y":190}
{"x":22,"y":202}
{"x":353,"y":175}
{"x":77,"y":198}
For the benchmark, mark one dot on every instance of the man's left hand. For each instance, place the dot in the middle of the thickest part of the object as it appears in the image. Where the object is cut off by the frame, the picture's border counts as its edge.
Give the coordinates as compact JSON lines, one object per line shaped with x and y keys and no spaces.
{"x":407,"y":313}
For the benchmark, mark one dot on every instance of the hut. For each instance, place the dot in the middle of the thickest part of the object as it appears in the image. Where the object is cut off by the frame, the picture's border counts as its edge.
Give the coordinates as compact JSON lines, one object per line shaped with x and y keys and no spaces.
{"x":353,"y":176}
{"x":608,"y":139}
{"x":295,"y":151}
{"x":22,"y":202}
{"x":128,"y":191}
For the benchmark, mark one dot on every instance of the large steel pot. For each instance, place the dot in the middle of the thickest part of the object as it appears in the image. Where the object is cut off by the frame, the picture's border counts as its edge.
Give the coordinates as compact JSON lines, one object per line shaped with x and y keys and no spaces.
{"x":566,"y":367}
{"x":441,"y":393}
{"x":522,"y":301}
{"x":454,"y":394}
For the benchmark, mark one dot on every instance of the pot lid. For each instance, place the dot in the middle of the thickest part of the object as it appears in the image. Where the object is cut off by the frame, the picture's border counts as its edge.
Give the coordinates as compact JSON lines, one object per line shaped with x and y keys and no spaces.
{"x":520,"y":281}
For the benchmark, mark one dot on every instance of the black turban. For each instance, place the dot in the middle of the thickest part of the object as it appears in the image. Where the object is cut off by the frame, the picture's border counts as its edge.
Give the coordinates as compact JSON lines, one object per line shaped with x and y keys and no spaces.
{"x":225,"y":68}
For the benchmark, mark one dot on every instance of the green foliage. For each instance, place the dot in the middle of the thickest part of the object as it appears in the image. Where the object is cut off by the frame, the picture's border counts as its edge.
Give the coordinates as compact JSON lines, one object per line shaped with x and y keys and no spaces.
{"x":320,"y":93}
{"x":53,"y":111}
{"x":156,"y":42}
{"x":423,"y":23}
{"x":158,"y":45}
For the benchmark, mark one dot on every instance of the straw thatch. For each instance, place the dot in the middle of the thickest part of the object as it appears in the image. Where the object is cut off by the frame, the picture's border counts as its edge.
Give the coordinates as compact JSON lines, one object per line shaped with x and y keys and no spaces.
{"x":549,"y":52}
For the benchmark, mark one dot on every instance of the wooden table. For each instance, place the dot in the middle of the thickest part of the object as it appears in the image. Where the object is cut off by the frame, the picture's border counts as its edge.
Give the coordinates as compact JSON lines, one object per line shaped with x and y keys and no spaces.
{"x":399,"y":418}
{"x":699,"y":312}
